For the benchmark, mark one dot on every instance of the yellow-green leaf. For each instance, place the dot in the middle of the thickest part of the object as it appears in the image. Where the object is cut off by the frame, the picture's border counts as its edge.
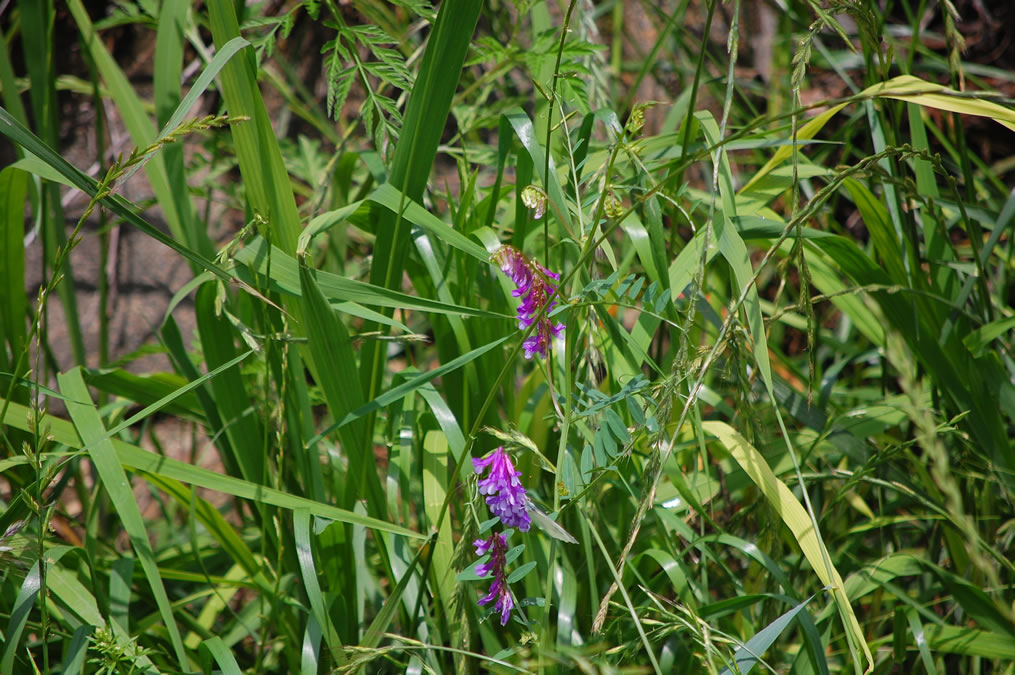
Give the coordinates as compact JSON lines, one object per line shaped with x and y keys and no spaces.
{"x":931,"y":95}
{"x":903,"y":88}
{"x":798,"y":521}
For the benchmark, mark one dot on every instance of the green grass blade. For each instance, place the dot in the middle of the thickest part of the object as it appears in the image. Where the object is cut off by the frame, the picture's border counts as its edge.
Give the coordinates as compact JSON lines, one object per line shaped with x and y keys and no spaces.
{"x":65,"y":586}
{"x":120,"y":575}
{"x":228,"y":390}
{"x":139,"y":125}
{"x":388,"y":196}
{"x":375,"y":631}
{"x":882,"y":232}
{"x":979,"y":340}
{"x":137,"y":459}
{"x":933,"y":95}
{"x":967,"y":383}
{"x":311,"y":656}
{"x":329,"y":343}
{"x":19,"y":617}
{"x":751,"y":550}
{"x":168,"y":74}
{"x":17,"y":132}
{"x":423,"y":125}
{"x":74,"y":659}
{"x":750,"y":652}
{"x":8,"y":86}
{"x":171,"y":112}
{"x":201,"y":84}
{"x":216,"y":525}
{"x":904,"y":88}
{"x":399,"y":391}
{"x":223,"y":657}
{"x":435,"y":486}
{"x":340,"y":292}
{"x":920,"y":638}
{"x":795,"y":516}
{"x":732,"y":247}
{"x":37,"y":20}
{"x":173,"y":340}
{"x":962,"y":640}
{"x":466,"y":383}
{"x":169,"y":398}
{"x":526,"y":134}
{"x":446,"y":419}
{"x":93,"y":433}
{"x":13,"y":305}
{"x":146,"y":389}
{"x":265,"y":179}
{"x":169,"y":60}
{"x":308,"y":569}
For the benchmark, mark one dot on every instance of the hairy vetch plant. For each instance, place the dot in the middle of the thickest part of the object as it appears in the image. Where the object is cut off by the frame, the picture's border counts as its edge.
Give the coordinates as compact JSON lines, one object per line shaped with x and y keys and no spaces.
{"x":533,"y":286}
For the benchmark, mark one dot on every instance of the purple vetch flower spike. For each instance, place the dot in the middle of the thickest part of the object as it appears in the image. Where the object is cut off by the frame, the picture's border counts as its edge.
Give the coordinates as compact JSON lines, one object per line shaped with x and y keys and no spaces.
{"x":505,"y":495}
{"x":496,"y":546}
{"x":533,"y":287}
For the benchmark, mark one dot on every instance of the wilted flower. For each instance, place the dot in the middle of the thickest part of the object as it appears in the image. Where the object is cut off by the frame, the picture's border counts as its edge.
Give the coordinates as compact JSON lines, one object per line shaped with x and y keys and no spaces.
{"x":505,"y":494}
{"x":535,"y":199}
{"x":496,"y":546}
{"x":530,"y":278}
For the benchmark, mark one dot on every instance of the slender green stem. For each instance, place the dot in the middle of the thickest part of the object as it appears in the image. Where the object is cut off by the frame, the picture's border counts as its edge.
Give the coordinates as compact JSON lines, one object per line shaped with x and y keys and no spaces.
{"x":549,"y":123}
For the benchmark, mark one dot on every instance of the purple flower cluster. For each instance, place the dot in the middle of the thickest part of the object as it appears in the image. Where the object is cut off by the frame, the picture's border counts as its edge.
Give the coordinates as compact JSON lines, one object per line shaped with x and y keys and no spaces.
{"x":507,"y":500}
{"x":505,"y":494}
{"x":533,"y":287}
{"x":496,"y":546}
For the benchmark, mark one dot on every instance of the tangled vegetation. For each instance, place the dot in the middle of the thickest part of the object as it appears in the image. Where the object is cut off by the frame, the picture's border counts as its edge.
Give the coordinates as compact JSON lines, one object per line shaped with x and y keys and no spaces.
{"x":511,"y":336}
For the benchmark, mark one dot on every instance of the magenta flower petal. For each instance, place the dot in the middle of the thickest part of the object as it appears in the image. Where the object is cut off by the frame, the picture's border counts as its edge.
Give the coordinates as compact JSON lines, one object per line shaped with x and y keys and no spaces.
{"x":505,"y":494}
{"x":499,"y":590}
{"x":530,"y":278}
